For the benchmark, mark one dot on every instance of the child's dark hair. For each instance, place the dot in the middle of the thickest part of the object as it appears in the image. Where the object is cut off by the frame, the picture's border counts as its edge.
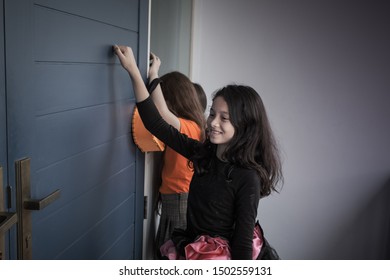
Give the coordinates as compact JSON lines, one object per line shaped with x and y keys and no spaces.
{"x":202,"y":95}
{"x":182,"y":99}
{"x":253,"y":144}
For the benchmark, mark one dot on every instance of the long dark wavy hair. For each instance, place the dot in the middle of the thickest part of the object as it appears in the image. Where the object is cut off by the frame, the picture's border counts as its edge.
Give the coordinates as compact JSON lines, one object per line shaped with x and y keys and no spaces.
{"x":182,"y":98}
{"x":253,"y":144}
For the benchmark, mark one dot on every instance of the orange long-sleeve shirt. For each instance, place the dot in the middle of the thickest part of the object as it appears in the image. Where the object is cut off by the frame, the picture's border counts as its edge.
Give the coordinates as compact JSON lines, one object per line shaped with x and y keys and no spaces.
{"x":176,"y":175}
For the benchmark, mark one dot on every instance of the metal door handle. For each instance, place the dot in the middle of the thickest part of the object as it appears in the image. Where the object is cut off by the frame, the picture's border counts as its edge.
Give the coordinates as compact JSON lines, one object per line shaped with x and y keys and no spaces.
{"x":39,"y":204}
{"x":7,"y":220}
{"x":24,"y":206}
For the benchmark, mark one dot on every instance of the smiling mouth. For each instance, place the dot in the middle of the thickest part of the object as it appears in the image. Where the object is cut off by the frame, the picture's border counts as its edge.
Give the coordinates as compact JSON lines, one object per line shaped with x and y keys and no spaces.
{"x":214,"y":132}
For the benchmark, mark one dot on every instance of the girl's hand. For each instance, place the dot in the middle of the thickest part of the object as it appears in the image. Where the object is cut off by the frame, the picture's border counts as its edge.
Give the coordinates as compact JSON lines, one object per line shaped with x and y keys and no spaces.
{"x":155,"y":66}
{"x":126,"y":58}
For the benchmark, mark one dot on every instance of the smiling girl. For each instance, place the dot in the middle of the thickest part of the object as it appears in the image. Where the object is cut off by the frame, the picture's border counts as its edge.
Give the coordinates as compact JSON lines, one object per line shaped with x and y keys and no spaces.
{"x":234,"y":167}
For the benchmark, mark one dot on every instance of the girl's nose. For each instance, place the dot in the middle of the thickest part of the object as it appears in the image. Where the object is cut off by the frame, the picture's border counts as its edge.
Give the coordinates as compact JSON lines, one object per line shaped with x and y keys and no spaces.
{"x":214,"y":122}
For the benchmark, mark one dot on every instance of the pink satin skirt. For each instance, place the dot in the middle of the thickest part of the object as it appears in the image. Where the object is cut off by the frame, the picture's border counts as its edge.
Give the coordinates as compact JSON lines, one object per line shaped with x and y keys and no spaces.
{"x":210,"y":248}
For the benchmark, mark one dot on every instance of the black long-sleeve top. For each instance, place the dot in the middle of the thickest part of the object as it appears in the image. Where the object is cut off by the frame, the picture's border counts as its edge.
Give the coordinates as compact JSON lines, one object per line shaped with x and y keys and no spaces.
{"x":223,"y":202}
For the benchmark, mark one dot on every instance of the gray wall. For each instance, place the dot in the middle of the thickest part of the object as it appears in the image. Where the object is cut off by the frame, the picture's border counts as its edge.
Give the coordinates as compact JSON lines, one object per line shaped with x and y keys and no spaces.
{"x":322,"y":69}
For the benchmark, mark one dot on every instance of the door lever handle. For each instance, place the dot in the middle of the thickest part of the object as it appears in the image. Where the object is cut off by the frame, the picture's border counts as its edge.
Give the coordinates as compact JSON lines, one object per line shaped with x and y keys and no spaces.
{"x":39,"y":204}
{"x":7,"y":220}
{"x":24,"y":205}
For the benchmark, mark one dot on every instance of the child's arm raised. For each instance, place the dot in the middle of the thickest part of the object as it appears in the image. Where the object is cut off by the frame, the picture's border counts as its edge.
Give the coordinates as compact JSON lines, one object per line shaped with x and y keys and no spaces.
{"x":126,"y":57}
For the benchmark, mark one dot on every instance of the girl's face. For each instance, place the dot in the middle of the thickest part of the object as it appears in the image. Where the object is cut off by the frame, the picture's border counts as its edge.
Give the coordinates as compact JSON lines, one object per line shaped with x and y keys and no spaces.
{"x":220,"y":129}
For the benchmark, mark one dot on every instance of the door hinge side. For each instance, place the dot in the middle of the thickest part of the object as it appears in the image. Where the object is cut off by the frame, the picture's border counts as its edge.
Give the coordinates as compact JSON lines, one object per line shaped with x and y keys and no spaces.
{"x":145,"y":207}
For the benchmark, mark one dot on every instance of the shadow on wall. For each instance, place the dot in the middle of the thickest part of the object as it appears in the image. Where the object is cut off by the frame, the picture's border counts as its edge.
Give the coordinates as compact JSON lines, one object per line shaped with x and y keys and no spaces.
{"x":368,"y":236}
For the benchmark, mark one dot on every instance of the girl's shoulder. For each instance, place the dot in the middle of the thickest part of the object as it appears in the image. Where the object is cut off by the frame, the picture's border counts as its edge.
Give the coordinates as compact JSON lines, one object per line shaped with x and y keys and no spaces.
{"x":243,"y":174}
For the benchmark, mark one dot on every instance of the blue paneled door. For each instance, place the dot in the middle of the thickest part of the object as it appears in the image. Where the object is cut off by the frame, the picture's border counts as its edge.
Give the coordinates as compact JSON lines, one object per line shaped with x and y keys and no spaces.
{"x":66,"y":111}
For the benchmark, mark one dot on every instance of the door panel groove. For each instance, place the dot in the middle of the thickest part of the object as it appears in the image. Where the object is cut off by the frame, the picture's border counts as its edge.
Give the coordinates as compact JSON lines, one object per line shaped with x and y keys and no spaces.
{"x":98,"y":10}
{"x":54,"y":111}
{"x":75,"y":39}
{"x":49,"y":9}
